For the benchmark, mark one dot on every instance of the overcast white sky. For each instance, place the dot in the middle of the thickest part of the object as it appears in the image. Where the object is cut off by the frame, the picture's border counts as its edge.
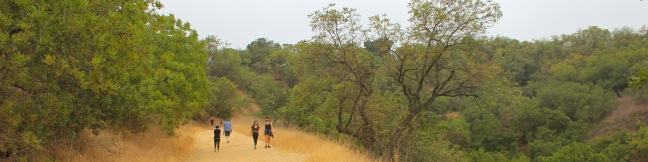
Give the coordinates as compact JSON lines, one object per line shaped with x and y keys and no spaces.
{"x":285,"y":21}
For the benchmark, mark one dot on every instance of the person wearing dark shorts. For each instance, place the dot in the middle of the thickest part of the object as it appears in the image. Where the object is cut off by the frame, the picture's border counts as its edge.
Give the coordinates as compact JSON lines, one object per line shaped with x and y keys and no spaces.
{"x":227,"y":127}
{"x":217,"y":133}
{"x":255,"y":132}
{"x":268,"y":132}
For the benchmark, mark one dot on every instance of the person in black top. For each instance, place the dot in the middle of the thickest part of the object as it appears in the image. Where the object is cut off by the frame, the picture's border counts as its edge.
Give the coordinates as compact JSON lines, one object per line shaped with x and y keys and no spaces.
{"x":268,"y":131}
{"x":255,"y":132}
{"x":217,"y":133}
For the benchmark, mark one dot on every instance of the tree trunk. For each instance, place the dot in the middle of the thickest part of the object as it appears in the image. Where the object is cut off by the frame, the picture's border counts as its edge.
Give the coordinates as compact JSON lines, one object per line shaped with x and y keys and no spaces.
{"x":394,"y":149}
{"x":394,"y":145}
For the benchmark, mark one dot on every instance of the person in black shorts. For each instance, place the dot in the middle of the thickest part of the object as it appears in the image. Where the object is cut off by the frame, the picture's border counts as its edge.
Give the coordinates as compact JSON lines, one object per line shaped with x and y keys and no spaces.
{"x":268,"y":131}
{"x":227,"y":127}
{"x":255,"y":132}
{"x":217,"y":133}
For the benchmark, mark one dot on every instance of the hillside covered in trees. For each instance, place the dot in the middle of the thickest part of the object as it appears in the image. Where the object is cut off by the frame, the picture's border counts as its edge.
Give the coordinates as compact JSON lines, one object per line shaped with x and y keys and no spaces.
{"x":435,"y":89}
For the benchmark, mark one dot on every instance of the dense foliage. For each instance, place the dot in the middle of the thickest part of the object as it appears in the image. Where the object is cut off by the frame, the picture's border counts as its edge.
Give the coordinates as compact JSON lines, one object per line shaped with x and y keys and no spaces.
{"x":507,"y":100}
{"x":536,"y":101}
{"x":73,"y":65}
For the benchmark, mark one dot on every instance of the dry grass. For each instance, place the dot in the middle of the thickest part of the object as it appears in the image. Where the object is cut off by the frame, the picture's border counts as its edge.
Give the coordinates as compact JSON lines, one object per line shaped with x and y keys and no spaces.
{"x":151,"y":145}
{"x":317,"y":149}
{"x":155,"y":145}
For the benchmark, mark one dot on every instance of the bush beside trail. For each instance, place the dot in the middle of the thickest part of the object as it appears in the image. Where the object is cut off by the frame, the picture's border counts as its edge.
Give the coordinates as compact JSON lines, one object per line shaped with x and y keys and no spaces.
{"x":68,"y":66}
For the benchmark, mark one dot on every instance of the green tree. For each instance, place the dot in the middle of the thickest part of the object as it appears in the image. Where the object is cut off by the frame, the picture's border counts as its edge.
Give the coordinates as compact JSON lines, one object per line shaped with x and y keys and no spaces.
{"x":574,"y":152}
{"x":73,"y":65}
{"x":639,"y":142}
{"x":579,"y":102}
{"x":257,"y":53}
{"x":224,"y":98}
{"x":269,"y":93}
{"x":419,"y":67}
{"x":639,"y":84}
{"x":609,"y":71}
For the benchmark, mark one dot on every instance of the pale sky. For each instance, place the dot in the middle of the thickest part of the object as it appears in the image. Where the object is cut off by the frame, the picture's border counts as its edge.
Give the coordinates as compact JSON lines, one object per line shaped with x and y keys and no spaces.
{"x":239,"y":22}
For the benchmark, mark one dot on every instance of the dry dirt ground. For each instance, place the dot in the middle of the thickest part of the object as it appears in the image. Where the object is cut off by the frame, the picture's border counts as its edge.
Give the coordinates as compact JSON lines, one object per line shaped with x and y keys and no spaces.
{"x":194,"y":142}
{"x":627,"y":116}
{"x":240,"y":148}
{"x":287,"y":145}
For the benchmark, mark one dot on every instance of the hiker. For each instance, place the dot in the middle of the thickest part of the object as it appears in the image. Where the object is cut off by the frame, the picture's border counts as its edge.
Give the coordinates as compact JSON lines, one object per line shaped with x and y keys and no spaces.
{"x":255,"y":132}
{"x":217,"y":133}
{"x":212,"y":122}
{"x":268,"y":131}
{"x":227,"y":127}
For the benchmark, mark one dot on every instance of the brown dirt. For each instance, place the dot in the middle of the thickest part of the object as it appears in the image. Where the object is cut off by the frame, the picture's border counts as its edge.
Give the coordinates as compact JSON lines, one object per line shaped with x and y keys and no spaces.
{"x":240,"y":148}
{"x":287,"y":144}
{"x":194,"y":142}
{"x":627,"y":116}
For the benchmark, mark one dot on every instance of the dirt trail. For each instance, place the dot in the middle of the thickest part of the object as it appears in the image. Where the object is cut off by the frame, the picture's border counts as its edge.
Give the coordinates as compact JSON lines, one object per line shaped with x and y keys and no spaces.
{"x":627,"y":115}
{"x":287,"y":146}
{"x":194,"y":142}
{"x":240,"y":147}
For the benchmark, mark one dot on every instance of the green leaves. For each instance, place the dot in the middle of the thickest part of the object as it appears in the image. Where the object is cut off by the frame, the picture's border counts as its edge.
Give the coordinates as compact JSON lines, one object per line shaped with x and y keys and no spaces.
{"x":343,"y":23}
{"x":640,"y":80}
{"x":579,"y":102}
{"x":77,"y":64}
{"x":446,"y":22}
{"x":575,"y":152}
{"x":49,"y":59}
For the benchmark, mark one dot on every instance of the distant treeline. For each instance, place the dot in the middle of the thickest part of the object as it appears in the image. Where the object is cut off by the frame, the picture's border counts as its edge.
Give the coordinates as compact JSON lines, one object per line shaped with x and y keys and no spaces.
{"x":440,"y":91}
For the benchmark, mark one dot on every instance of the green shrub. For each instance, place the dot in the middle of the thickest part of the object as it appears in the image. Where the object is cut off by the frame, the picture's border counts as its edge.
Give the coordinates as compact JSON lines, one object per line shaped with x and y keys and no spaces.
{"x":574,"y":152}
